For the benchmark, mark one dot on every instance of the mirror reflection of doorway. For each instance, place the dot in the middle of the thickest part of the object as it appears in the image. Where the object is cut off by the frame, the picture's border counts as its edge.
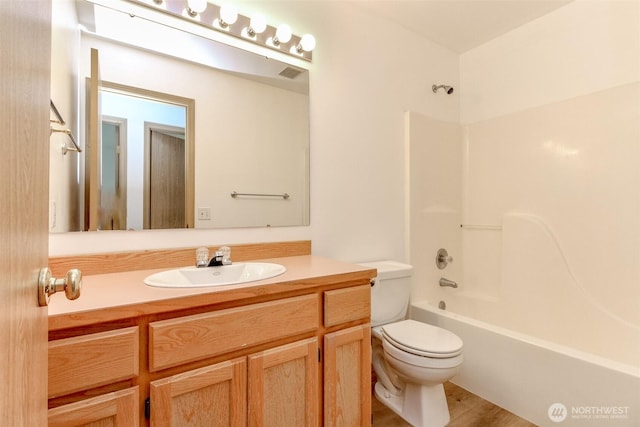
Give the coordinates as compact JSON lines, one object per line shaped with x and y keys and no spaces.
{"x":120,"y":113}
{"x":164,"y":177}
{"x":113,"y":195}
{"x":156,"y":174}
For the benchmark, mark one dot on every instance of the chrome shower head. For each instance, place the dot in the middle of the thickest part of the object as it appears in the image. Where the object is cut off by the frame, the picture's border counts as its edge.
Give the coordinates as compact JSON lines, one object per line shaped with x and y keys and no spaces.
{"x":448,"y":89}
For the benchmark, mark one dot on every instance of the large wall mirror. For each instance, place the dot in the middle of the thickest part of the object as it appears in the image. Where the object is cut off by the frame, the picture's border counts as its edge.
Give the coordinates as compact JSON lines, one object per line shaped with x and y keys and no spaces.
{"x":249,"y":127}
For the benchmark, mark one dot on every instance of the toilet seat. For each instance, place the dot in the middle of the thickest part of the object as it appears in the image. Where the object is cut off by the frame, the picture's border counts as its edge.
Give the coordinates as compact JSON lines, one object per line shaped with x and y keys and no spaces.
{"x":422,"y":340}
{"x":393,"y":352}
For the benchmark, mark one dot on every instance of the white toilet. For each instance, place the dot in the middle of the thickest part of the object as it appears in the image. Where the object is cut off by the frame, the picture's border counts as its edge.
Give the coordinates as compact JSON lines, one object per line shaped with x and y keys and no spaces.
{"x":411,"y":359}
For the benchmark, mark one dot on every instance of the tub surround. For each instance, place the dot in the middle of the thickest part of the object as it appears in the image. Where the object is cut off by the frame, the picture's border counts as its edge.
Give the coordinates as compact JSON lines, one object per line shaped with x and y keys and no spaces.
{"x":278,"y":340}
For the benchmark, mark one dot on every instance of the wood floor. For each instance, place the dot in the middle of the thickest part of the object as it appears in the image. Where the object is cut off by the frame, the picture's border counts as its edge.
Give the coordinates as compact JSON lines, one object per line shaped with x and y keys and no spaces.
{"x":466,"y":410}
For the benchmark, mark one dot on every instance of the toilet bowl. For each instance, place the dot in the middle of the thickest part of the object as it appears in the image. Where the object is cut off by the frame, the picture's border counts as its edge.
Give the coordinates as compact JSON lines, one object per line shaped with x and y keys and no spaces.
{"x":411,"y":359}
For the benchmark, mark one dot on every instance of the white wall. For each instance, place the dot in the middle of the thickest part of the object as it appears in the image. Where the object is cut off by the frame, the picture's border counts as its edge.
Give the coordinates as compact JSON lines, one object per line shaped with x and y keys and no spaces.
{"x":63,"y":180}
{"x":365,"y":74}
{"x":581,"y":48}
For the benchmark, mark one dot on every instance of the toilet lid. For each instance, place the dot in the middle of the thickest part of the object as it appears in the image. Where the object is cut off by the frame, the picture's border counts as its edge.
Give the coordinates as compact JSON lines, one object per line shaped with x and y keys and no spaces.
{"x":422,"y":339}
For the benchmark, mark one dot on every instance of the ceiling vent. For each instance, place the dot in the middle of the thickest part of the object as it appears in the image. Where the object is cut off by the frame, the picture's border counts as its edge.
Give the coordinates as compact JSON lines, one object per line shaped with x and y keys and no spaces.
{"x":290,"y":72}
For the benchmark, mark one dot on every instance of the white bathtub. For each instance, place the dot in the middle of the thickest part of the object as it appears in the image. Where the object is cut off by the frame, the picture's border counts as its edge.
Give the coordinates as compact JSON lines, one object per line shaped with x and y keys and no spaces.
{"x":545,"y":383}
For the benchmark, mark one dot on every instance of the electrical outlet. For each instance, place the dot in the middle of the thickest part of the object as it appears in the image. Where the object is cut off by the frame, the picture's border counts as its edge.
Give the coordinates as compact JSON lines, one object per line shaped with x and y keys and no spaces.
{"x":204,"y":214}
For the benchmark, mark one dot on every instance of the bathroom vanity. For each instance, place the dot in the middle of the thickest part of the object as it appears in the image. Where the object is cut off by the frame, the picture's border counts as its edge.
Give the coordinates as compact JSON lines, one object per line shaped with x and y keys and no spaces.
{"x":291,"y":350}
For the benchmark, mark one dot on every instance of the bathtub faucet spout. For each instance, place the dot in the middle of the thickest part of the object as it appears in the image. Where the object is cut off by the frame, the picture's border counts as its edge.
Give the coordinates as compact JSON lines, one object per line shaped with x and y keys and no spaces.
{"x":447,"y":282}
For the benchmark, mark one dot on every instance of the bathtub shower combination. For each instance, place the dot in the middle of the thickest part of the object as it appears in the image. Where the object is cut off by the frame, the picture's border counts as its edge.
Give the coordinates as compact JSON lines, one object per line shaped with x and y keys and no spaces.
{"x":539,"y":206}
{"x":539,"y":347}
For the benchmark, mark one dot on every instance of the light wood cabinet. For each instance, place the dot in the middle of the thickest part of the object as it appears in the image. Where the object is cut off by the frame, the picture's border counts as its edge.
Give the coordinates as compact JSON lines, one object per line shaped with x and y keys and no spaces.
{"x":92,"y":360}
{"x":347,"y":305}
{"x":275,"y":387}
{"x":185,"y":339}
{"x":297,"y":359}
{"x":347,"y":377}
{"x":284,"y":385}
{"x":88,"y":361}
{"x":213,"y":396}
{"x":117,"y":409}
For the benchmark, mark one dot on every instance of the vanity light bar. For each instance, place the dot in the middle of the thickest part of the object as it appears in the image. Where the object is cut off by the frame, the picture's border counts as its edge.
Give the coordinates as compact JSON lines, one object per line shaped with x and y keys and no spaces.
{"x":279,"y":39}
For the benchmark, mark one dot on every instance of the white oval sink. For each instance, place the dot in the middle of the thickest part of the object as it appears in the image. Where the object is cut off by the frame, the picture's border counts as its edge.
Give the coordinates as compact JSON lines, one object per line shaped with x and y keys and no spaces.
{"x":236,"y":273}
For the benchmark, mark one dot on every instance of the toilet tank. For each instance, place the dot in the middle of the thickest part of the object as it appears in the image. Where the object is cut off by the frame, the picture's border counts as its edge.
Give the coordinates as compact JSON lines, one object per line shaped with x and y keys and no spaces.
{"x":391,"y":291}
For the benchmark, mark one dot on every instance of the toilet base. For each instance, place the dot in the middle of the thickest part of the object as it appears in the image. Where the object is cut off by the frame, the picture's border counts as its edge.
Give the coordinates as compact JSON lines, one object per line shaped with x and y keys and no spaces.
{"x":419,"y":405}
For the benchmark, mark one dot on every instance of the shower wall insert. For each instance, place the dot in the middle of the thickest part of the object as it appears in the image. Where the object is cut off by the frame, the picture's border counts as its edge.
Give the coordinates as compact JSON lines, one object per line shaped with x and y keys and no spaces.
{"x":541,"y":210}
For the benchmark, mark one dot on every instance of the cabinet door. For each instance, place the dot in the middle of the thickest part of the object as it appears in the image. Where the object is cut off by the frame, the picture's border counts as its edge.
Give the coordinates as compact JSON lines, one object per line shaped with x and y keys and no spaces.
{"x":212,"y":396}
{"x":284,"y":385}
{"x":347,"y":377}
{"x":117,"y":409}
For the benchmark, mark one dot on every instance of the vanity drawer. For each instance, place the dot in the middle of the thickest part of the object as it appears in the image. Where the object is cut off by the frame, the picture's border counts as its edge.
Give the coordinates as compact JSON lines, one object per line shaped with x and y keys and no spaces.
{"x":186,"y":339}
{"x":119,"y":408}
{"x":88,"y":361}
{"x":346,"y":305}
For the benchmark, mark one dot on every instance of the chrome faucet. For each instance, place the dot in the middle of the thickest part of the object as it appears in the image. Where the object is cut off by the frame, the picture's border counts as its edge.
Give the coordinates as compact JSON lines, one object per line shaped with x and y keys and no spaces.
{"x":447,"y":282}
{"x":221,"y":257}
{"x":216,"y":259}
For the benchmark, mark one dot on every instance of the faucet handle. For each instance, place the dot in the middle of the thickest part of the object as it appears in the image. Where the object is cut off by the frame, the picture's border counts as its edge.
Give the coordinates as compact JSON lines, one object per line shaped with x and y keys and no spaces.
{"x":226,"y":254}
{"x":202,"y":257}
{"x":443,"y":259}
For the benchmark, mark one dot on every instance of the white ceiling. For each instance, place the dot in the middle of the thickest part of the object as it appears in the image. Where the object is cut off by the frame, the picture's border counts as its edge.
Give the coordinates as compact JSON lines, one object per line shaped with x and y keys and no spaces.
{"x":461,"y":25}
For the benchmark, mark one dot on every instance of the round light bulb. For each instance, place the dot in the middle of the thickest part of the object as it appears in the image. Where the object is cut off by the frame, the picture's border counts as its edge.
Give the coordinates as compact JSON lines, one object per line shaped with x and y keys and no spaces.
{"x":197,"y":6}
{"x":258,"y":23}
{"x":307,"y":43}
{"x":228,"y":13}
{"x":283,"y":33}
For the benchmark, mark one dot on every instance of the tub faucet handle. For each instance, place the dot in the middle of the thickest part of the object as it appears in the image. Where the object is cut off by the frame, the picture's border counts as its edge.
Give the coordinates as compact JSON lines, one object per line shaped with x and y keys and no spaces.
{"x":443,"y":259}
